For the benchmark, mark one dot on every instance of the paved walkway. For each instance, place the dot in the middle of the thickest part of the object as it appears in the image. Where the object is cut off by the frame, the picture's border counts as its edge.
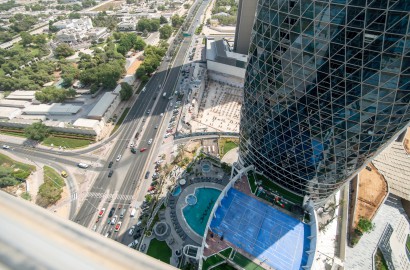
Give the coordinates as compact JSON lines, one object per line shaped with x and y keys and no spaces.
{"x":360,"y":257}
{"x":231,"y":156}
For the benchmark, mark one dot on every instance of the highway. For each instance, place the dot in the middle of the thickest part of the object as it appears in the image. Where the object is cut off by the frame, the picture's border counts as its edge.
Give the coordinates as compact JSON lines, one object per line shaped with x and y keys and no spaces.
{"x":132,"y":165}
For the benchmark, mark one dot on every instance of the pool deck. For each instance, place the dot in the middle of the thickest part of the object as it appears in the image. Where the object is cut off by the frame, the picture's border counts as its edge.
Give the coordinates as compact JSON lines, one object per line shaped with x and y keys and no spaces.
{"x":181,"y":204}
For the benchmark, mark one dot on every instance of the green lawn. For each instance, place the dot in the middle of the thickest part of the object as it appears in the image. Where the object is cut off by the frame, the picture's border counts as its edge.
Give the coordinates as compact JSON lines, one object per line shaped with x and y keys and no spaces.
{"x":251,"y":180}
{"x":408,"y":242}
{"x":17,"y":134}
{"x":268,"y":184}
{"x":216,"y":258}
{"x":159,"y":250}
{"x":226,"y":144}
{"x":245,"y":263}
{"x":50,"y":191}
{"x":69,"y":143}
{"x":224,"y":266}
{"x":52,"y":175}
{"x":119,"y":122}
{"x":20,"y":170}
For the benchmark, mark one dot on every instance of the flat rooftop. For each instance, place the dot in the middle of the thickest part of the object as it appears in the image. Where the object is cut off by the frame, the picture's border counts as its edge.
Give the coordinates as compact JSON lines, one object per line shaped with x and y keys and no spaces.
{"x":218,"y":50}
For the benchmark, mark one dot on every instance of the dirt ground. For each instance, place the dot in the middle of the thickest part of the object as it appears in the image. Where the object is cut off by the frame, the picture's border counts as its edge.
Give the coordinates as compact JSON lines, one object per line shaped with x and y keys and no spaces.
{"x":372,"y":190}
{"x":131,"y":70}
{"x":107,"y":6}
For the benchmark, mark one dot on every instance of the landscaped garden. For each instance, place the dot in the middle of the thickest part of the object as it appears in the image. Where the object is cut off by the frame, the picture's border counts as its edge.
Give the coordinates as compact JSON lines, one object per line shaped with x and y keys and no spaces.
{"x":159,"y":250}
{"x":50,"y":191}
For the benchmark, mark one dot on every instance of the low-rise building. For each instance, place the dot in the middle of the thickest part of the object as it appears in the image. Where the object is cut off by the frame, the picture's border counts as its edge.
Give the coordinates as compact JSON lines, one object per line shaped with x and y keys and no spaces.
{"x":52,"y":109}
{"x":22,"y":95}
{"x":9,"y":113}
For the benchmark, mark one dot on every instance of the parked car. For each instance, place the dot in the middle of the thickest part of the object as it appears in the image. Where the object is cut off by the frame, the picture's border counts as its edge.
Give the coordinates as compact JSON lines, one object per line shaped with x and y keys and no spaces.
{"x":148,"y":111}
{"x":118,"y":226}
{"x":110,"y":173}
{"x":5,"y":146}
{"x":111,"y":213}
{"x":147,"y":175}
{"x":114,"y":219}
{"x":132,"y":229}
{"x":101,"y":213}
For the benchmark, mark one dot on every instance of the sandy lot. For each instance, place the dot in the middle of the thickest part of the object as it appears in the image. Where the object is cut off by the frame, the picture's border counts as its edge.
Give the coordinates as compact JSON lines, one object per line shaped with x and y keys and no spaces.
{"x":372,"y":190}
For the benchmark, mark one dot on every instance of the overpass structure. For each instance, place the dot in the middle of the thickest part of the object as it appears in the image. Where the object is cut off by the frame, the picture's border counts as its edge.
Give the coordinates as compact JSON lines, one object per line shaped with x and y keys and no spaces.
{"x":33,"y":238}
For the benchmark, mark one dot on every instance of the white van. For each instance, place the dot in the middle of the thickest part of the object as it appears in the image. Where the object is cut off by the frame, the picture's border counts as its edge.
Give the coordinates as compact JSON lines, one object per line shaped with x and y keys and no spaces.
{"x":83,"y":165}
{"x":133,"y":212}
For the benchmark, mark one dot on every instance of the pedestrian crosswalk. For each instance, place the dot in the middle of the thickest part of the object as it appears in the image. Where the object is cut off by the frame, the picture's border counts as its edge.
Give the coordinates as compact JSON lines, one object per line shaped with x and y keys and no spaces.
{"x":100,"y":195}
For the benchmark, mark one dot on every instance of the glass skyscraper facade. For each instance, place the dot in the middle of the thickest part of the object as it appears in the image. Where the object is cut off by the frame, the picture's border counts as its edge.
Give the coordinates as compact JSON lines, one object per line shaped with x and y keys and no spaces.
{"x":327,"y":85}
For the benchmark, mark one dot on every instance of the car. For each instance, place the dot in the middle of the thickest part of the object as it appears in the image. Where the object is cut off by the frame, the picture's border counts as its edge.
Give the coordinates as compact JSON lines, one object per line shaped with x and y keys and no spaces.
{"x":143,"y":89}
{"x":132,"y":229}
{"x":132,"y":145}
{"x":143,"y":149}
{"x":148,"y":111}
{"x":64,"y":174}
{"x":133,"y":150}
{"x":119,"y":206}
{"x":118,"y":226}
{"x":114,"y":219}
{"x":111,"y":213}
{"x":139,"y":223}
{"x":147,"y":175}
{"x":111,"y":172}
{"x":101,"y":213}
{"x":118,"y":158}
{"x":110,"y":164}
{"x":149,"y":141}
{"x":5,"y":146}
{"x":162,"y":114}
{"x":151,"y":188}
{"x":167,"y":135}
{"x":143,"y":120}
{"x":156,"y":127}
{"x":83,"y":165}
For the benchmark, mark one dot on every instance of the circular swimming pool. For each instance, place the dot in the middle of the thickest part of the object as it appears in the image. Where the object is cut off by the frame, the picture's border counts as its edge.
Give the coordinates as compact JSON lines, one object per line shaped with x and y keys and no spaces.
{"x":206,"y":166}
{"x":197,"y":215}
{"x":191,"y":199}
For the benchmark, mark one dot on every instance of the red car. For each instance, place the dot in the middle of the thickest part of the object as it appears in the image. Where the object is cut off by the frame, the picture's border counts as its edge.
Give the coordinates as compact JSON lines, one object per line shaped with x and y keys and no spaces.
{"x":118,"y":226}
{"x":151,"y":188}
{"x":143,"y":149}
{"x":101,"y":213}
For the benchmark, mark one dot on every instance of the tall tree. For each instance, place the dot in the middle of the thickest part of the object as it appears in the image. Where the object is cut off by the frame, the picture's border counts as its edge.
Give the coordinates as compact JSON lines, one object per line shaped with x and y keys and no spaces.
{"x":126,"y":91}
{"x":37,"y":131}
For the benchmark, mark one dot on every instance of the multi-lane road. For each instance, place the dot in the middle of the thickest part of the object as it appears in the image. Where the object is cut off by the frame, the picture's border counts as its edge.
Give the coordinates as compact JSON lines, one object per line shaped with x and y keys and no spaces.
{"x":129,"y":172}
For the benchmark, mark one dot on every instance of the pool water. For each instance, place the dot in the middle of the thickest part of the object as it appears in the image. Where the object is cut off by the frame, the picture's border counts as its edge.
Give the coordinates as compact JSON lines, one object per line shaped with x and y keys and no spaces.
{"x":177,"y":190}
{"x":197,"y":215}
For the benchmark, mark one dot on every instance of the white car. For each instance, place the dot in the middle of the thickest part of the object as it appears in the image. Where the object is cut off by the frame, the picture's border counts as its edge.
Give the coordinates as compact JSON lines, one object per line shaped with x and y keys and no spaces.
{"x":118,"y":158}
{"x":131,"y":232}
{"x":131,"y":145}
{"x":114,"y":219}
{"x":6,"y":146}
{"x":149,"y":141}
{"x":167,"y":135}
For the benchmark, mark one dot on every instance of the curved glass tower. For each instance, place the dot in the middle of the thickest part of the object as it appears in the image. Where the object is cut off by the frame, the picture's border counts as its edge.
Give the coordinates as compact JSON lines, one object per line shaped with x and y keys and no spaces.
{"x":327,"y":85}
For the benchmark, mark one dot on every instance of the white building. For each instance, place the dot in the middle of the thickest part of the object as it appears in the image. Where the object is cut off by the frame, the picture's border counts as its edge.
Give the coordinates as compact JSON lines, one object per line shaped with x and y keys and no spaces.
{"x":9,"y":113}
{"x":83,"y":23}
{"x":78,"y":30}
{"x":22,"y":95}
{"x":105,"y":107}
{"x":53,"y":109}
{"x":127,"y":25}
{"x":220,"y":59}
{"x":83,"y":123}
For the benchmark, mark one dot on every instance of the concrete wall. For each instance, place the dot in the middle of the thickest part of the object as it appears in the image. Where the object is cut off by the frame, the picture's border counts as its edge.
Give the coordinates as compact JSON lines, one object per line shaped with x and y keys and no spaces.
{"x":226,"y":69}
{"x":84,"y":131}
{"x":246,"y":16}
